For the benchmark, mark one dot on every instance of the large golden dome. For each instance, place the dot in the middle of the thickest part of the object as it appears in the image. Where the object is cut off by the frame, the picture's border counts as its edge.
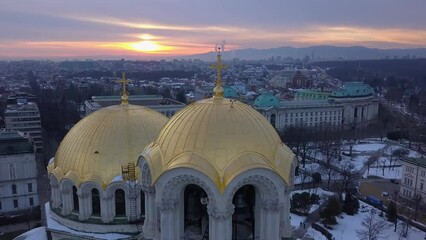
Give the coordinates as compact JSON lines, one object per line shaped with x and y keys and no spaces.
{"x":97,"y":146}
{"x":220,"y":138}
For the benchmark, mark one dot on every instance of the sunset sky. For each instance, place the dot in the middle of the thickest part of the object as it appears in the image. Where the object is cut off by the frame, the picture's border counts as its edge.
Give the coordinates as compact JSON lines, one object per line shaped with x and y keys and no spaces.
{"x":160,"y":28}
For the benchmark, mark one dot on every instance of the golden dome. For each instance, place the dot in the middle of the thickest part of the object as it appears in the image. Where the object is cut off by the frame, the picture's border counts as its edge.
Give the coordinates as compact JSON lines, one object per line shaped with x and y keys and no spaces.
{"x":97,"y":146}
{"x":220,"y":138}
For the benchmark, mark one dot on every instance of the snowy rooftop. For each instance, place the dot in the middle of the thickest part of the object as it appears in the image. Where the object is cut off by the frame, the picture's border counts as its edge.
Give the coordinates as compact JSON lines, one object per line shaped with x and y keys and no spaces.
{"x":54,"y":225}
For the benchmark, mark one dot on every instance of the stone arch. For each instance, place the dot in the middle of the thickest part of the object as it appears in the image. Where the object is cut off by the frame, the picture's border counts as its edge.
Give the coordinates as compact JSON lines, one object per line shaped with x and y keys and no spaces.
{"x":68,"y":197}
{"x":264,"y":185}
{"x":86,"y":187}
{"x":271,"y":190}
{"x":176,"y":179}
{"x":146,"y":174}
{"x":170,"y":194}
{"x":86,"y":191}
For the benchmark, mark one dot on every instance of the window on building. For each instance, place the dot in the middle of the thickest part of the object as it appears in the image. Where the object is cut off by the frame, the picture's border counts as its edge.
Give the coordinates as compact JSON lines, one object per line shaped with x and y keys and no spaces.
{"x":31,"y":201}
{"x":421,"y":186}
{"x":12,"y":171}
{"x":30,"y":187}
{"x":14,"y":189}
{"x":423,"y":173}
{"x":1,"y":206}
{"x":15,"y":203}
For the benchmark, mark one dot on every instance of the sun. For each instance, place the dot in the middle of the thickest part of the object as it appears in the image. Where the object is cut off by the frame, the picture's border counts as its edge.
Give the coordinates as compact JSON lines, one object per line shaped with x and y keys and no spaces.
{"x":146,"y":46}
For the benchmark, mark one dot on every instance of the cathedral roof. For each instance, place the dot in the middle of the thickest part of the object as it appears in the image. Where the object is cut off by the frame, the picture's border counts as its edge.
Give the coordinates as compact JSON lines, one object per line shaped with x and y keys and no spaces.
{"x":221,"y":138}
{"x":98,"y":146}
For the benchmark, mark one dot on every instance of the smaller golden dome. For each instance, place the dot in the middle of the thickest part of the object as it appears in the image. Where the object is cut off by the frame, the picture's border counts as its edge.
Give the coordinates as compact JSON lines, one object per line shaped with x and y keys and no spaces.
{"x":221,"y":138}
{"x":218,"y":91}
{"x":98,"y":145}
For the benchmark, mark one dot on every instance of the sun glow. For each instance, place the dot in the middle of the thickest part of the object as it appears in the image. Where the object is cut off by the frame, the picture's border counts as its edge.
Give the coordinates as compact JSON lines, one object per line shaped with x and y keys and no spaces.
{"x":146,"y":46}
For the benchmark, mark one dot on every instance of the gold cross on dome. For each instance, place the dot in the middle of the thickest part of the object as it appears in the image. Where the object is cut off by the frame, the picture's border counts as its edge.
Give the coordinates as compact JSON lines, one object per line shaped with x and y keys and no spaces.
{"x":218,"y":66}
{"x":124,"y":96}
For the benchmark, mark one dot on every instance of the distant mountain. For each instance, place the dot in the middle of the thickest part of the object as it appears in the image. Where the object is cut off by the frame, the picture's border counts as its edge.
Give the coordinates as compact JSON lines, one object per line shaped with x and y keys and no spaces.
{"x":316,"y":53}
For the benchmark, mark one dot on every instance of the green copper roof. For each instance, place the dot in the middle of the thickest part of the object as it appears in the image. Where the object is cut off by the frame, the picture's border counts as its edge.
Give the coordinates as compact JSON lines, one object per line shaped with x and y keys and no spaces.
{"x":229,"y":92}
{"x":353,"y":89}
{"x":266,"y":100}
{"x":311,"y":94}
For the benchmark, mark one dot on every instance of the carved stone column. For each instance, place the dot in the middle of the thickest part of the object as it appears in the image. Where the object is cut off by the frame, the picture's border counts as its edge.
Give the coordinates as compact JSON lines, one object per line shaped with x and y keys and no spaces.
{"x":169,"y":224}
{"x":84,"y":205}
{"x":133,"y":195}
{"x":67,"y":202}
{"x":220,"y":221}
{"x":150,"y":223}
{"x":107,"y":214}
{"x":270,"y":217}
{"x":285,"y":223}
{"x":55,"y":195}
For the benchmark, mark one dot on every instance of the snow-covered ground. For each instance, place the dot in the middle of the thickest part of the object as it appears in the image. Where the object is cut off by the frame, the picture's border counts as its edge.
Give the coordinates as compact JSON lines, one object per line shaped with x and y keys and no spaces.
{"x":393,"y":173}
{"x":296,"y":219}
{"x":357,"y":162}
{"x":411,"y":153}
{"x":315,"y":234}
{"x":369,"y":147}
{"x":348,"y":225}
{"x":34,"y":234}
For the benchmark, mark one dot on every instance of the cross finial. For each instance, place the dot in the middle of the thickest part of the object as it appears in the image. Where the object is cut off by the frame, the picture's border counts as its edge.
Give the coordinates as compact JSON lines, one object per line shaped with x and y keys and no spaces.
{"x":124,"y":96}
{"x":218,"y":90}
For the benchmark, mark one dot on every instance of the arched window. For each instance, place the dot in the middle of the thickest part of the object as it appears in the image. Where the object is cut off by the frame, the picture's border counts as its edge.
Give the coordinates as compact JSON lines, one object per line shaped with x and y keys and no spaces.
{"x":273,"y":119}
{"x":96,"y":202}
{"x":75,"y":198}
{"x":142,"y":204}
{"x":245,"y":213}
{"x":120,"y":202}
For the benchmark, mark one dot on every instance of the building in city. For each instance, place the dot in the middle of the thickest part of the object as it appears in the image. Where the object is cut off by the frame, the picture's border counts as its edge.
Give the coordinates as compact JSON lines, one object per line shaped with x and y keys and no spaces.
{"x":213,"y":168}
{"x":352,"y":107}
{"x":18,"y":175}
{"x":413,"y":182}
{"x":158,"y":103}
{"x":24,"y":116}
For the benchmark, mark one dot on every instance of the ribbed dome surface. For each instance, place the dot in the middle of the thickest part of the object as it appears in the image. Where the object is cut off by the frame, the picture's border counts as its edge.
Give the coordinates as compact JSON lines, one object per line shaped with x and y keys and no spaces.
{"x":97,"y":146}
{"x":221,"y":138}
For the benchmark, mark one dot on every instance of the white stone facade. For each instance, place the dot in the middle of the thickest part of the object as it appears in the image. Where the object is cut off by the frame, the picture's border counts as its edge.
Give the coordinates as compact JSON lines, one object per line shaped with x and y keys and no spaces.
{"x":347,"y":113}
{"x":18,"y":183}
{"x":413,"y":180}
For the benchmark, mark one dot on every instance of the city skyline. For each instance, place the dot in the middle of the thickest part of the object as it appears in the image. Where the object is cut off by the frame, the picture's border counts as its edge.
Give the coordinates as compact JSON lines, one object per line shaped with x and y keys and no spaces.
{"x":167,"y":28}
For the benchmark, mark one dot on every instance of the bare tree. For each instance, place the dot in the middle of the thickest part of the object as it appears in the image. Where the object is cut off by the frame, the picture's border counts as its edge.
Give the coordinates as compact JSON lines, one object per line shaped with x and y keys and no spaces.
{"x":374,"y":227}
{"x":347,"y":176}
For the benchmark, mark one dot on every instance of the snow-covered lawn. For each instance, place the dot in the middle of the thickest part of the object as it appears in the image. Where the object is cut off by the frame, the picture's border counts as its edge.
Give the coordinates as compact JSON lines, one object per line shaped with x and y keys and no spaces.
{"x":411,"y":153}
{"x":315,"y":234}
{"x":348,"y":225}
{"x":369,"y":147}
{"x":393,"y":173}
{"x":296,"y":220}
{"x":357,"y":162}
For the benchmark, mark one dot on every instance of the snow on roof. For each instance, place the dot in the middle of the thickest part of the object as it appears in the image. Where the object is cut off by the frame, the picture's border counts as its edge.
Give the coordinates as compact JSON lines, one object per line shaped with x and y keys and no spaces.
{"x":34,"y":234}
{"x":54,"y":225}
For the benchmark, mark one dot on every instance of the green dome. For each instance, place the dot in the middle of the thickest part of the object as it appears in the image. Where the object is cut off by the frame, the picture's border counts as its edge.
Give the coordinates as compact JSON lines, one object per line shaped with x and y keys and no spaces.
{"x":353,"y":89}
{"x":229,"y":92}
{"x":266,"y":100}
